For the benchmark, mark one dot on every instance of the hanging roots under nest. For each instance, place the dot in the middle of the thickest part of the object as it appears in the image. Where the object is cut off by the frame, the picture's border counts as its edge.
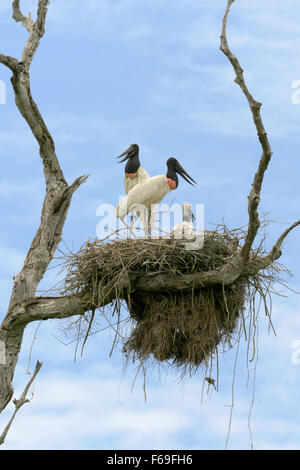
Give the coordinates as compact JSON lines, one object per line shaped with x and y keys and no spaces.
{"x":184,"y":328}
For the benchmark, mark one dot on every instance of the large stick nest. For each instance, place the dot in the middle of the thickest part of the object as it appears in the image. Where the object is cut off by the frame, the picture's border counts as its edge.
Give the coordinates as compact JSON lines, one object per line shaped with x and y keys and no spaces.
{"x":184,"y":327}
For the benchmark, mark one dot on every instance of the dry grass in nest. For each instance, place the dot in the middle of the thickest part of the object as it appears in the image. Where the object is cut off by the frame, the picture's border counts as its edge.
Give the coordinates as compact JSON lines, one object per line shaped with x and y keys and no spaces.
{"x":185,"y":328}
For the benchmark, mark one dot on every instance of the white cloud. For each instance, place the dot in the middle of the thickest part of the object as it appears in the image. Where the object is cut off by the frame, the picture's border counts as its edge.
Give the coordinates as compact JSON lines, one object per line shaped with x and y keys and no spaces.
{"x":61,"y":402}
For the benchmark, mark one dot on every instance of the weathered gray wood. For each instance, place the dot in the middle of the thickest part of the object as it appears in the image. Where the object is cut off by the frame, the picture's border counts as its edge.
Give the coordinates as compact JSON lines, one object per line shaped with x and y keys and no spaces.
{"x":254,"y":196}
{"x":20,"y":402}
{"x":55,"y":206}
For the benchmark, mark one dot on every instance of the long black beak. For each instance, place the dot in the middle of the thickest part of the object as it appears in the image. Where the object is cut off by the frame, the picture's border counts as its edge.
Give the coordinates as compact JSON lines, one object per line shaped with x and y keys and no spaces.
{"x":127,"y":153}
{"x":130,"y":152}
{"x":181,"y":171}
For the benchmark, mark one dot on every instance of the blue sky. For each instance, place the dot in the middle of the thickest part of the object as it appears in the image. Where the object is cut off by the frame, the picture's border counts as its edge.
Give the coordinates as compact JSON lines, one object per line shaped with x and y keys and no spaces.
{"x":109,"y":73}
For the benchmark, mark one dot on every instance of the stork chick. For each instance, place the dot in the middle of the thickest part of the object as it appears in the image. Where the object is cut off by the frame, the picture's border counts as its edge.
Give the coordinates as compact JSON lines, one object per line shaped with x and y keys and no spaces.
{"x":185,"y":230}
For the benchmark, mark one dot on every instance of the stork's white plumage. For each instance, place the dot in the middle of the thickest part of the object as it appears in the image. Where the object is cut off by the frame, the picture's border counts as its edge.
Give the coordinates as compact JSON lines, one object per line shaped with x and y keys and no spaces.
{"x":131,"y":181}
{"x":185,"y":230}
{"x":150,"y":192}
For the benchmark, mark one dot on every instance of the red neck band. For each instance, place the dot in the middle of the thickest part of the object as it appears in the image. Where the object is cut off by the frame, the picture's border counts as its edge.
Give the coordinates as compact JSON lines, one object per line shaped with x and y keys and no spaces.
{"x":172,"y":184}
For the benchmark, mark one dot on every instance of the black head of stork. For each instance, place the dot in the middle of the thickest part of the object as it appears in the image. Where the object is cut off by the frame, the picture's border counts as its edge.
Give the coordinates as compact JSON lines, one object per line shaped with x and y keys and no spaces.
{"x":132,"y":155}
{"x":175,"y":168}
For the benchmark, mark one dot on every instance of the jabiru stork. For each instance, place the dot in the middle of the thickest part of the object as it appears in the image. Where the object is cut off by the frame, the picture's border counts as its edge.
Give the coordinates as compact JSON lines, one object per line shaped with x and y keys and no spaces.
{"x":150,"y":192}
{"x":134,"y":172}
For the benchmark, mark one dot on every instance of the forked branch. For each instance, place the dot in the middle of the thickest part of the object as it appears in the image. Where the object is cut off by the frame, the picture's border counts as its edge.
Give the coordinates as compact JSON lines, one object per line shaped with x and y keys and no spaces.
{"x":275,"y":253}
{"x":254,"y":196}
{"x":35,"y":29}
{"x":18,"y":16}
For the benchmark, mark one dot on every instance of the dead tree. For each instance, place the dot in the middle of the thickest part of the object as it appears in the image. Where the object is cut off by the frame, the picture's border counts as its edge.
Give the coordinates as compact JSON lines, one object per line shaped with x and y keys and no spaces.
{"x":25,"y":306}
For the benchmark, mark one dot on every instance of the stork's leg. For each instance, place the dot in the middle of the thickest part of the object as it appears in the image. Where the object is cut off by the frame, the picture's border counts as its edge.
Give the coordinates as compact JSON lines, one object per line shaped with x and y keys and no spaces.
{"x":149,"y":224}
{"x":129,"y":227}
{"x":143,"y":216}
{"x":132,"y":235}
{"x":151,"y":218}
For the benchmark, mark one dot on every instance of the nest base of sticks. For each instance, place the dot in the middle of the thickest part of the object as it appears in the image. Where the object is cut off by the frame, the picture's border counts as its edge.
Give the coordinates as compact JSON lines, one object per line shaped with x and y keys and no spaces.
{"x":185,"y":327}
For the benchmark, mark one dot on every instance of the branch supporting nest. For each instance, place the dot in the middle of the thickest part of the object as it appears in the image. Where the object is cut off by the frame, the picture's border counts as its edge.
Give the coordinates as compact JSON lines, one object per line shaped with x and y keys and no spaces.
{"x":183,"y":304}
{"x":58,"y":193}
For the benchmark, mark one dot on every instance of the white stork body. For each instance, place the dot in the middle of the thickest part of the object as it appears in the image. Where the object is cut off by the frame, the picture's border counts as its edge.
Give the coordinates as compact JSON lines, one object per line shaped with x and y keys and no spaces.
{"x":131,"y":180}
{"x":185,"y":230}
{"x":144,"y":196}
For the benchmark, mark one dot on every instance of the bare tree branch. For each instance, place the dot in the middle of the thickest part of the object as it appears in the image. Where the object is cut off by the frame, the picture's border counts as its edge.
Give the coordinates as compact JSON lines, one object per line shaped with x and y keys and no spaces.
{"x":45,"y":242}
{"x":21,"y":401}
{"x":9,"y":62}
{"x":55,"y":207}
{"x":58,"y":193}
{"x":254,"y":196}
{"x":18,"y":16}
{"x":46,"y":308}
{"x":275,"y":253}
{"x":36,"y":30}
{"x":30,"y":112}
